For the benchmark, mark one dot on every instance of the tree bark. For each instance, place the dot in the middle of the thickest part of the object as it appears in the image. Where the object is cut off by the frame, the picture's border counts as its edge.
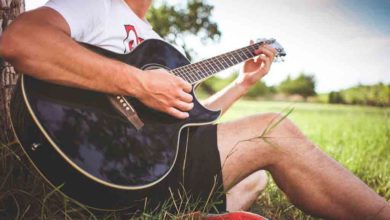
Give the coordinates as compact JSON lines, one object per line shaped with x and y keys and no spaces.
{"x":9,"y":9}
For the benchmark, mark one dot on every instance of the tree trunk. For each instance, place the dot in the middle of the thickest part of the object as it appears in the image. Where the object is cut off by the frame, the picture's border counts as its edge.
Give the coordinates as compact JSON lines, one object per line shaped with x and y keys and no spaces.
{"x":9,"y":9}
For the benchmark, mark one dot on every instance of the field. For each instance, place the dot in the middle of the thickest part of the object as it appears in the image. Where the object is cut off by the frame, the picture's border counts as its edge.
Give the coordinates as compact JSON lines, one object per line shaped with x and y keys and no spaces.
{"x":358,"y":137}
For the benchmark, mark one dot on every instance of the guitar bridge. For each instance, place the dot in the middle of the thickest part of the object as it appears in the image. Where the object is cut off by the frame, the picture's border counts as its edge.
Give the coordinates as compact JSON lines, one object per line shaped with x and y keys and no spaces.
{"x":125,"y":108}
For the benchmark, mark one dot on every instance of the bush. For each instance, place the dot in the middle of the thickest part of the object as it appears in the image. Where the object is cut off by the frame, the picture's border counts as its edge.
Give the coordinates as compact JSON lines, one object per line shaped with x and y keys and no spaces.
{"x":374,"y":95}
{"x":336,"y":98}
{"x":303,"y":85}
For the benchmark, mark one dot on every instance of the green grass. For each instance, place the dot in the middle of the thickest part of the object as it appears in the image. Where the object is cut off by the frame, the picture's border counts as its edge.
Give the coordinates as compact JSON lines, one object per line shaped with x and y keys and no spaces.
{"x":358,"y":137}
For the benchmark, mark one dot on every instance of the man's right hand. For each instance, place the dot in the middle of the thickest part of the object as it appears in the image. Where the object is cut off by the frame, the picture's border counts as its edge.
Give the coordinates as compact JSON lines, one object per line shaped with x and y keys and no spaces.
{"x":165,"y":92}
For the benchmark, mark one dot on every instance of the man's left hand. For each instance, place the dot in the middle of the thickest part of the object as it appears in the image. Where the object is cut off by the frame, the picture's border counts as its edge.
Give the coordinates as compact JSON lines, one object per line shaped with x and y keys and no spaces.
{"x":256,"y":68}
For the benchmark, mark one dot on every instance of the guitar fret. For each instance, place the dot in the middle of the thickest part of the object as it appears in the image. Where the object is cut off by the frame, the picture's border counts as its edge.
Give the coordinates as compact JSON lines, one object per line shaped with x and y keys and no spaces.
{"x":210,"y":71}
{"x":231,"y":58}
{"x":198,"y":71}
{"x":207,"y":71}
{"x":234,"y":57}
{"x":250,"y":53}
{"x":239,"y":54}
{"x":193,"y":74}
{"x":212,"y":66}
{"x":223,"y":63}
{"x":227,"y":60}
{"x":243,"y":55}
{"x":187,"y":73}
{"x":219,"y":64}
{"x":220,"y":68}
{"x":183,"y":75}
{"x":177,"y":73}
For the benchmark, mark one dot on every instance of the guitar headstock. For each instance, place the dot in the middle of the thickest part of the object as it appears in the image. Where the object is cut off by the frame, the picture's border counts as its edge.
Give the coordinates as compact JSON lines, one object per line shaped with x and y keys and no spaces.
{"x":280,"y":54}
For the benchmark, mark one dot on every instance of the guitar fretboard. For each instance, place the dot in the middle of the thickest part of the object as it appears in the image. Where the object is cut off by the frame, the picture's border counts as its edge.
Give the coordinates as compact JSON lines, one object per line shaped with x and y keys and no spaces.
{"x":199,"y":71}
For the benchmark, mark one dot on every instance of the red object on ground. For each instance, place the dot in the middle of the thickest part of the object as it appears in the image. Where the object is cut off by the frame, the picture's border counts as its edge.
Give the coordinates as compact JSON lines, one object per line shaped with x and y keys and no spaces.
{"x":235,"y":216}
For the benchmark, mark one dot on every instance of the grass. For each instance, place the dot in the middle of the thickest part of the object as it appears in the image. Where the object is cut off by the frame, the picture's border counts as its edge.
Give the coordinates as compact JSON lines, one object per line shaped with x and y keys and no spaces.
{"x":358,"y":137}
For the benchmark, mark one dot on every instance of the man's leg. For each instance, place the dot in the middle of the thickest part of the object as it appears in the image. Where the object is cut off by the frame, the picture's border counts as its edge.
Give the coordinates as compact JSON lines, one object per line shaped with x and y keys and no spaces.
{"x":241,"y":196}
{"x":311,"y":180}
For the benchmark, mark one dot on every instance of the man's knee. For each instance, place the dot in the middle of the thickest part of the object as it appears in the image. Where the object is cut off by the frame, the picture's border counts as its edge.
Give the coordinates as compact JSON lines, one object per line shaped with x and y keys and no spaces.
{"x":282,"y":135}
{"x":278,"y":124}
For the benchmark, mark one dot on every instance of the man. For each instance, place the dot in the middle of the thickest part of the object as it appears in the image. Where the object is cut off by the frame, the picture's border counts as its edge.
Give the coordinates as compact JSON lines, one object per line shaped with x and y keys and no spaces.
{"x":40,"y":43}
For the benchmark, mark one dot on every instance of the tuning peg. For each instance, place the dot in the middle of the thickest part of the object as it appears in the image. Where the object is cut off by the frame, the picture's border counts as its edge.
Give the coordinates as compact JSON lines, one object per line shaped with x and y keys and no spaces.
{"x":271,"y":41}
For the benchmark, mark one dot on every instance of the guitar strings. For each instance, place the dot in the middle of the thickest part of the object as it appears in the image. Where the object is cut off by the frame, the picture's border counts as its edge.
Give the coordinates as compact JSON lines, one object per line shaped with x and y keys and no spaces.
{"x":201,"y":70}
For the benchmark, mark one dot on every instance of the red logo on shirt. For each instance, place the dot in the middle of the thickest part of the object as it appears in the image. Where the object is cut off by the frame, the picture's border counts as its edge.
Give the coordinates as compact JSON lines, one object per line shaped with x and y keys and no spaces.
{"x":132,"y":40}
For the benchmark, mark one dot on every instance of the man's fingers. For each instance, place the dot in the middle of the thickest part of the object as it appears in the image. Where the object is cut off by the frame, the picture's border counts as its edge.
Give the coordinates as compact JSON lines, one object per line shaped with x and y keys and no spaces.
{"x":186,"y":86}
{"x":185,"y":97}
{"x":178,"y":114}
{"x":266,"y":60}
{"x":183,"y":106}
{"x":273,"y":50}
{"x":266,"y":51}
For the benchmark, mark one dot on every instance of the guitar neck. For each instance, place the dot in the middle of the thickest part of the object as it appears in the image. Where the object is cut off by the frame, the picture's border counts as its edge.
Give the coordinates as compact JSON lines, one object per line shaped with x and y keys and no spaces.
{"x":197,"y":72}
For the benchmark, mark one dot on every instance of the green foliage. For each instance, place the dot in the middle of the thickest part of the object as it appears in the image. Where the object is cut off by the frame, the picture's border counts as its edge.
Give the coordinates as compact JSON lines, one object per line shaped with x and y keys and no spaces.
{"x":176,"y":23}
{"x":376,"y":95}
{"x":259,"y":89}
{"x":336,"y":98}
{"x":303,"y":85}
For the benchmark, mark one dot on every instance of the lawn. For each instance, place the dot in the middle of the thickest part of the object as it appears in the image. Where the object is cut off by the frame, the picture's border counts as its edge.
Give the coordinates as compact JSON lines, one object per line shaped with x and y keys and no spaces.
{"x":358,"y":137}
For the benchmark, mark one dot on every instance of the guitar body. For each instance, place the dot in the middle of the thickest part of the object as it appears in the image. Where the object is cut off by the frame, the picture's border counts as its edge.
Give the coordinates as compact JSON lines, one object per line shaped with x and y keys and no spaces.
{"x":80,"y":143}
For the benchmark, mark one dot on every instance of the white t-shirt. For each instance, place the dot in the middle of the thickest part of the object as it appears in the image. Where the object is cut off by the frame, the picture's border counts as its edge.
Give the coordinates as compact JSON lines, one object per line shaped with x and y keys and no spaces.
{"x":109,"y":24}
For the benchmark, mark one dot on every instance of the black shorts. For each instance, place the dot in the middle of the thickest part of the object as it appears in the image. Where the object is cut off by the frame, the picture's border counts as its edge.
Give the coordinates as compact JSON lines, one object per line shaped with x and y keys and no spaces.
{"x":196,"y":178}
{"x":202,"y":171}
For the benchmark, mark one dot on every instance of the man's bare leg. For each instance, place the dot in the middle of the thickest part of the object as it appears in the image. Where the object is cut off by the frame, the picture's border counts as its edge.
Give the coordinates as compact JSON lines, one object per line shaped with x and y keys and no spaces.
{"x":241,"y":196}
{"x":311,"y":180}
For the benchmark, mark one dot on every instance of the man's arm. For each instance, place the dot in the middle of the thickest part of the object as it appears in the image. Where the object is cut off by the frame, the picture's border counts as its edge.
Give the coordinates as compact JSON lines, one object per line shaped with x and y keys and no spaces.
{"x":38,"y":43}
{"x":253,"y":70}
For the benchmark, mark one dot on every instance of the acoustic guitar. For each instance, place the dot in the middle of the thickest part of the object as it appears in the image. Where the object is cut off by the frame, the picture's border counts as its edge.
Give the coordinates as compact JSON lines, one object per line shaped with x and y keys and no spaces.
{"x":108,"y":151}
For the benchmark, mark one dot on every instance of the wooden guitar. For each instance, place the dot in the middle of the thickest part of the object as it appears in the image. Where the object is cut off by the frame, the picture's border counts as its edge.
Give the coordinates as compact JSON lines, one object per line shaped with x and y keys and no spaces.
{"x":108,"y":151}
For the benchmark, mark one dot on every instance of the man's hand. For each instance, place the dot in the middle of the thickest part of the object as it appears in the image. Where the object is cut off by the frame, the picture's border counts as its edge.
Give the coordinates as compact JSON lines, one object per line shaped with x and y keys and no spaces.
{"x":256,"y":68}
{"x":166,"y":92}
